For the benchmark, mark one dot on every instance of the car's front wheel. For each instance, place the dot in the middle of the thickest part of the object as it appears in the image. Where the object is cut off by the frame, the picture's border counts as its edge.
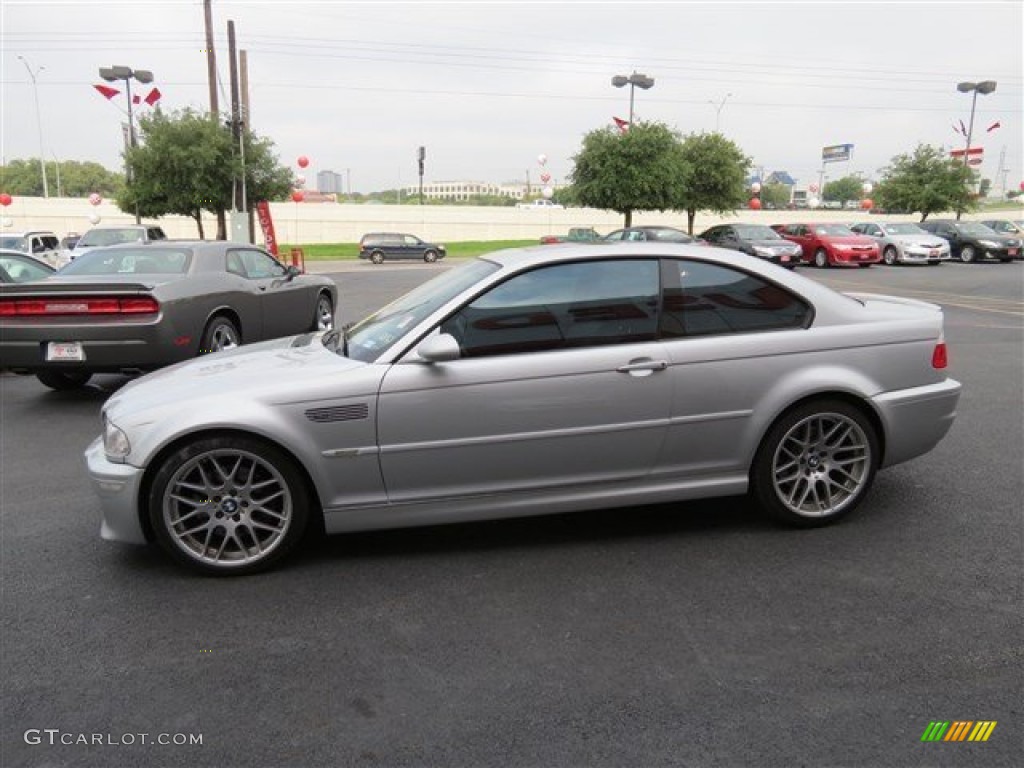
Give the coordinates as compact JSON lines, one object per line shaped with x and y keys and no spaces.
{"x":967,"y":254}
{"x":890,"y":256}
{"x":377,"y":257}
{"x":228,"y":505}
{"x":430,"y":257}
{"x":63,"y":381}
{"x":323,"y":317}
{"x":220,"y":334}
{"x":821,"y":258}
{"x":816,"y":463}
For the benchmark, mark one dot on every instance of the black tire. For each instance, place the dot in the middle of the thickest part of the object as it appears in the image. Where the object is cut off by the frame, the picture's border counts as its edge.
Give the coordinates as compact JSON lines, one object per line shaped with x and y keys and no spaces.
{"x":430,"y":256}
{"x":203,"y":498}
{"x":821,"y":259}
{"x":323,"y":313}
{"x":864,"y":266}
{"x":220,"y":334}
{"x":782,"y":469}
{"x":967,"y":254}
{"x":64,"y":381}
{"x":890,"y":256}
{"x":377,"y":257}
{"x":934,"y":263}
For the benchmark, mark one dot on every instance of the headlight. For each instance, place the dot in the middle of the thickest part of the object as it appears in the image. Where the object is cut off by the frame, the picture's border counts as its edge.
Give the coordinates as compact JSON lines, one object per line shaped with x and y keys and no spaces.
{"x":763,"y":251}
{"x":988,"y":244}
{"x":115,"y":441}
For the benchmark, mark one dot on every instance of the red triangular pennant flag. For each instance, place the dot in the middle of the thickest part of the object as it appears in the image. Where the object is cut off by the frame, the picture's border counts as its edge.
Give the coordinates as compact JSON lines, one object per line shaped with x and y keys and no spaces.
{"x":992,"y":127}
{"x":107,"y":91}
{"x":136,"y":99}
{"x":153,"y":96}
{"x":622,"y":125}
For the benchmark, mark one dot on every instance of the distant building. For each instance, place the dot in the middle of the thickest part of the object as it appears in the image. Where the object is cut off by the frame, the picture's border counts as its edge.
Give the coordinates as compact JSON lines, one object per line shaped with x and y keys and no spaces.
{"x":329,"y":182}
{"x":464,"y":190}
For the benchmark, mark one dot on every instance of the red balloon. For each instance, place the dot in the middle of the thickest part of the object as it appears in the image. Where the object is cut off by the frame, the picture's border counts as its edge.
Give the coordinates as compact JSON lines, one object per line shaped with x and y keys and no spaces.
{"x":755,"y":204}
{"x":95,"y":199}
{"x":1022,"y":186}
{"x":298,"y":196}
{"x":5,"y":199}
{"x":303,"y":161}
{"x":867,"y":203}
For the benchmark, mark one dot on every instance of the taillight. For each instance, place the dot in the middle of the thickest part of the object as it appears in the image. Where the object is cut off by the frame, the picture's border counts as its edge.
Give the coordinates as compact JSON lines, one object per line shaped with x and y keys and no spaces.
{"x":52,"y":307}
{"x":940,"y":359}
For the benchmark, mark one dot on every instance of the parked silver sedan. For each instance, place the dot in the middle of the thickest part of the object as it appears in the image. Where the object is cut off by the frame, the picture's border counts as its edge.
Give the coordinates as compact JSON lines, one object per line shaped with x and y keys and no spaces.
{"x":530,"y":382}
{"x":905,"y":242}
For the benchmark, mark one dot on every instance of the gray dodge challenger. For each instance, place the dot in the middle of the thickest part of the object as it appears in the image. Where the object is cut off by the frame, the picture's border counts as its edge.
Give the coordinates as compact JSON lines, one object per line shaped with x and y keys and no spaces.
{"x":529,"y":382}
{"x":134,"y":308}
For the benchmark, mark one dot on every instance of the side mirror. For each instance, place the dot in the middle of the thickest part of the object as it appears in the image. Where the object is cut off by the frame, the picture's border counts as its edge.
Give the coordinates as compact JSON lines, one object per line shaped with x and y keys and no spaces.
{"x":439,"y":349}
{"x":292,"y":272}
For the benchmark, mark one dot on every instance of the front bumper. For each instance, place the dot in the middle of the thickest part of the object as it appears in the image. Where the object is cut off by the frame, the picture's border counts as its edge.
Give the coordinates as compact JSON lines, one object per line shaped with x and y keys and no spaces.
{"x":118,"y":487}
{"x":916,"y":419}
{"x":856,"y":258}
{"x":912,"y":255}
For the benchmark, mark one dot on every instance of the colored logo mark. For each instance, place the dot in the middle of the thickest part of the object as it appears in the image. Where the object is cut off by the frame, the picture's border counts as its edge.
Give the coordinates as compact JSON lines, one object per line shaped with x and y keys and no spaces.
{"x":958,"y":730}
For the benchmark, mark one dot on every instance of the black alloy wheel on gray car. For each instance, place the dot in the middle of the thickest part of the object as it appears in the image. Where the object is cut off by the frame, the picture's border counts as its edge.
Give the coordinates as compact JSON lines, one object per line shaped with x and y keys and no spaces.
{"x":815,"y":464}
{"x":62,"y":381}
{"x":228,"y":505}
{"x":967,"y":254}
{"x":821,"y":258}
{"x":377,"y":257}
{"x":430,"y":256}
{"x":889,"y":255}
{"x":323,"y":317}
{"x":220,"y":334}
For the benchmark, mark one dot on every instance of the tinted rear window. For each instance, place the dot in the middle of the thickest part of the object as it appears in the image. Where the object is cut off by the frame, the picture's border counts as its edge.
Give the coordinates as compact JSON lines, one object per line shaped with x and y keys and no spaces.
{"x":130,"y":261}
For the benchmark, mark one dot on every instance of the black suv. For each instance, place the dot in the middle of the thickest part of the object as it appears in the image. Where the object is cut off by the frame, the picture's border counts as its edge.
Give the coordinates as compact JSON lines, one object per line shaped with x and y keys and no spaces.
{"x":378,"y":246}
{"x":972,"y":241}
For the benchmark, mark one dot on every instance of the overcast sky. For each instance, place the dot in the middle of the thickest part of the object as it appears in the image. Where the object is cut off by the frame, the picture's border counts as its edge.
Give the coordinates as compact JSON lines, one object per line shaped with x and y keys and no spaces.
{"x":487,"y":87}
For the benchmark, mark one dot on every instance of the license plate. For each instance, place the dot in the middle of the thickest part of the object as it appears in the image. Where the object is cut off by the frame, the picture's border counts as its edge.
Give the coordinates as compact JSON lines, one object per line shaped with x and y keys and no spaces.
{"x":785,"y":258}
{"x":1012,"y":251}
{"x":933,"y":253}
{"x":65,"y":351}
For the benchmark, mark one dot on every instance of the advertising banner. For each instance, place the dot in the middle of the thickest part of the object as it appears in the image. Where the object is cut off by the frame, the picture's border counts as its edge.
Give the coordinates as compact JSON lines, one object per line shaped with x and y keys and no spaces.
{"x":267,"y":225}
{"x":836,"y":153}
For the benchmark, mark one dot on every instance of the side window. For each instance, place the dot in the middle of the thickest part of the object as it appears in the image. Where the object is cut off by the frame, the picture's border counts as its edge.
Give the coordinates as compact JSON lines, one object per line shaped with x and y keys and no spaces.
{"x":616,"y":235}
{"x":234,"y":264}
{"x":711,"y":299}
{"x":50,"y":242}
{"x":636,"y":236}
{"x":155,"y":233}
{"x":563,"y":306}
{"x":259,"y":266}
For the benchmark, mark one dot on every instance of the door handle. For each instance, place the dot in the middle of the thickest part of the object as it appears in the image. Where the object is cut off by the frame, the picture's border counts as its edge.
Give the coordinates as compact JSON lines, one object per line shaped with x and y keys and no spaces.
{"x":643,"y":367}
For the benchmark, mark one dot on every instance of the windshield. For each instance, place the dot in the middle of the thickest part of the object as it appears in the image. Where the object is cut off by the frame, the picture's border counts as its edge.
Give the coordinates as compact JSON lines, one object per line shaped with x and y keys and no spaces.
{"x":835,"y":230}
{"x":756,"y":232}
{"x":668,"y":236}
{"x":370,"y":338}
{"x":902,"y":229}
{"x":145,"y":260}
{"x":974,"y":228}
{"x":98,"y":237}
{"x":16,"y":243}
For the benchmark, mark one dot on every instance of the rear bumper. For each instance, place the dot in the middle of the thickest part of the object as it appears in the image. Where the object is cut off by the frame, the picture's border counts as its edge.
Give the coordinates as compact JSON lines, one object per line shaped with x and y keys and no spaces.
{"x":118,"y":487}
{"x":916,"y":419}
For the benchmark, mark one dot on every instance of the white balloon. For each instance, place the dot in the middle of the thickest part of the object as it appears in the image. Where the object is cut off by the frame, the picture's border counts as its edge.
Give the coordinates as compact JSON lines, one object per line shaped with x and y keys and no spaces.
{"x":8,"y":222}
{"x":542,"y":159}
{"x":94,"y":219}
{"x":548,"y":192}
{"x":755,"y":187}
{"x":300,"y":181}
{"x":813,"y":202}
{"x":868,"y":187}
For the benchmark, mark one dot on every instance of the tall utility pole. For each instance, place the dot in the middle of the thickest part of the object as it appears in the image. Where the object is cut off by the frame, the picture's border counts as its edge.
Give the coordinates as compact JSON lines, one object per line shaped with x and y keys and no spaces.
{"x":243,"y":66}
{"x":39,"y":122}
{"x":211,"y":76}
{"x":236,"y":132}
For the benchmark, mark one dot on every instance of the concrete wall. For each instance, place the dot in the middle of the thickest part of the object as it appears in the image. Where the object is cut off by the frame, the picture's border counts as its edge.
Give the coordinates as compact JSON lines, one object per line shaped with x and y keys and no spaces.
{"x":333,"y":223}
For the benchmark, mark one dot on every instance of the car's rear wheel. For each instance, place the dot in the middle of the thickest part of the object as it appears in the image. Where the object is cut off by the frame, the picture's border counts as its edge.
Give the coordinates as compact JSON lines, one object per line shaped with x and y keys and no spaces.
{"x":816,"y":463}
{"x":889,"y":255}
{"x":821,"y":258}
{"x":377,"y":257}
{"x":220,"y":334}
{"x":63,"y":381}
{"x":228,"y":505}
{"x":323,"y":318}
{"x":967,"y":254}
{"x":430,"y":256}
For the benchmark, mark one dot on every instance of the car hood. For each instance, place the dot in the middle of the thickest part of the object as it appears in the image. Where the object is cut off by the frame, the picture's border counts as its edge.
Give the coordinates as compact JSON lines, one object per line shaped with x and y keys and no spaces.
{"x":775,"y":243}
{"x":925,"y":241}
{"x":848,"y":240}
{"x":289,"y":369}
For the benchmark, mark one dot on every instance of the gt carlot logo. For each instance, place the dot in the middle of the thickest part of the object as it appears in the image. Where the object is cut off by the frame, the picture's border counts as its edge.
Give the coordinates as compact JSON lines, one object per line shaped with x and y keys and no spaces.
{"x":958,"y":730}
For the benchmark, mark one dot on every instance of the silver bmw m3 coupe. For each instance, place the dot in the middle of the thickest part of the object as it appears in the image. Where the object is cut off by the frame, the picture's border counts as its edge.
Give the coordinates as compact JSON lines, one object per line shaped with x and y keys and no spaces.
{"x":530,"y":382}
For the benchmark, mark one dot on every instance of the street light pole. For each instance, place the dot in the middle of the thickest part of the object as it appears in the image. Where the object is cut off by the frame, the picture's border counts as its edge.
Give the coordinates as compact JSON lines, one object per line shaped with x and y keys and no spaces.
{"x":113,"y":74}
{"x":985,"y":87}
{"x":39,"y":121}
{"x":633,"y":81}
{"x":718,"y":109}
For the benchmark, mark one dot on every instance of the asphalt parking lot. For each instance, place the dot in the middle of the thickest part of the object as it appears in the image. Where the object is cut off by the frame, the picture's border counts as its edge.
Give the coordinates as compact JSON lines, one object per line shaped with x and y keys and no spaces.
{"x":691,"y":634}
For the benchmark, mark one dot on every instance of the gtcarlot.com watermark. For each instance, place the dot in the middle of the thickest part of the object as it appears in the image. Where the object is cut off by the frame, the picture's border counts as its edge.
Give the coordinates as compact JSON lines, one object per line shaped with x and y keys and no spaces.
{"x":55,"y":737}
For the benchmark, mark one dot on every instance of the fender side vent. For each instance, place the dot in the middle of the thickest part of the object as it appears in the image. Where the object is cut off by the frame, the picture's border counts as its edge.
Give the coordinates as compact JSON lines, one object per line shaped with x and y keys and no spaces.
{"x":338,"y":413}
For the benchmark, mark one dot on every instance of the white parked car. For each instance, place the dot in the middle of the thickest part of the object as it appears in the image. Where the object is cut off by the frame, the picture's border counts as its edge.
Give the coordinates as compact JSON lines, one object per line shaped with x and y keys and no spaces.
{"x":42,"y":245}
{"x":904,"y":242}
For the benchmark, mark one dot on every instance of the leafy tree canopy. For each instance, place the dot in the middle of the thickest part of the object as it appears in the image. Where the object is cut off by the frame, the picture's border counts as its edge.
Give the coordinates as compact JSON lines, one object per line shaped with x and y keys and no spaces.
{"x":640,"y":170}
{"x":713,"y":177}
{"x":77,"y":179}
{"x":844,"y":189}
{"x":186,"y":163}
{"x":926,"y":181}
{"x":775,"y":195}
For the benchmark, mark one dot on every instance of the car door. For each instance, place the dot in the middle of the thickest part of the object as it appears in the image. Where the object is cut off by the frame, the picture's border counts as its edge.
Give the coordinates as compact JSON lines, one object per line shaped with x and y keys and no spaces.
{"x":726,"y":333}
{"x":286,"y":306}
{"x":560,"y":383}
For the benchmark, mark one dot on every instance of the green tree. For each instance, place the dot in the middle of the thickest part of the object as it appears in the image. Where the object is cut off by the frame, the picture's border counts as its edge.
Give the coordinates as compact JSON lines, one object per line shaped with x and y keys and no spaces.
{"x":844,"y":189}
{"x":77,"y":179}
{"x":186,"y":163}
{"x":925,"y":182}
{"x":775,"y":195}
{"x":640,"y":170}
{"x":714,"y":173}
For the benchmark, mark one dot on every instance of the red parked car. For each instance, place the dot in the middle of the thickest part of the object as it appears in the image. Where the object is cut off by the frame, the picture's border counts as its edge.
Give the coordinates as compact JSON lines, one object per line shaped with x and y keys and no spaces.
{"x":831,"y":245}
